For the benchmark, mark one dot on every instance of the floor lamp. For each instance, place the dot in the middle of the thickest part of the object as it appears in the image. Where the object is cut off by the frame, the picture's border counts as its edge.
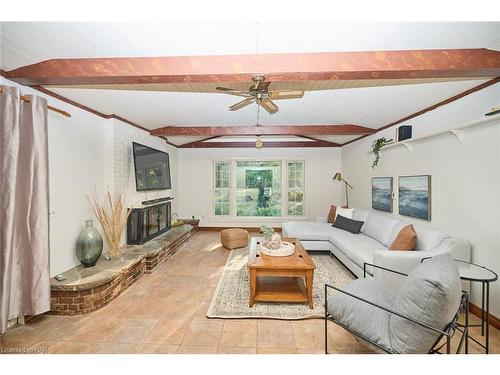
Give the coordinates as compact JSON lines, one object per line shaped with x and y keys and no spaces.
{"x":338,"y":177}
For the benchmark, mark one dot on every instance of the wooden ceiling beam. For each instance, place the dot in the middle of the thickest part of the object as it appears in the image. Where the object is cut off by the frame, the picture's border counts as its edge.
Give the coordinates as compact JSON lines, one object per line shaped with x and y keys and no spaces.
{"x":267,"y":144}
{"x":211,"y":131}
{"x":321,"y":66}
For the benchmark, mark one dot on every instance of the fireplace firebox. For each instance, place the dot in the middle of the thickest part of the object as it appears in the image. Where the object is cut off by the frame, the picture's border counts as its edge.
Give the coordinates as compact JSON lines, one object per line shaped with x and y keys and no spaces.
{"x":145,"y":223}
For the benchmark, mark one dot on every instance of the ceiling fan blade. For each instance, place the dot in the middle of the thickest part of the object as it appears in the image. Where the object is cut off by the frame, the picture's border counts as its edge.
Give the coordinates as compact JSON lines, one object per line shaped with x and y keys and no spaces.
{"x":225,"y":90}
{"x":286,"y":94}
{"x":268,"y":105}
{"x":262,"y":85}
{"x":242,"y":104}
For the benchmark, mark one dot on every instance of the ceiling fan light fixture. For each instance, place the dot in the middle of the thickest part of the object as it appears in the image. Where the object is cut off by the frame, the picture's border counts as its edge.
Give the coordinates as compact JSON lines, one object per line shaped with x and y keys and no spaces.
{"x":259,"y":144}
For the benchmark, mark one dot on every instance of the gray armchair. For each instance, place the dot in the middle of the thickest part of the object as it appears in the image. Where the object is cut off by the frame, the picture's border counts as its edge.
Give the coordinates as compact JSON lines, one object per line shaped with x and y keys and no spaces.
{"x":415,"y":320}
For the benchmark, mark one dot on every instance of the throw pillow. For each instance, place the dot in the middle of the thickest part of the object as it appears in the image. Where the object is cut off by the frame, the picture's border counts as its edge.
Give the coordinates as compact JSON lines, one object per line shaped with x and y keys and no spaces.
{"x":345,"y":212}
{"x":332,"y":214}
{"x":349,"y":225}
{"x":405,"y":240}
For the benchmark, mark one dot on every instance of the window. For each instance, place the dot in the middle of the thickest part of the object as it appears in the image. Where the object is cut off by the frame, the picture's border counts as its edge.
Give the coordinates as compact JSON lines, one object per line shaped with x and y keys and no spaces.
{"x":259,"y":188}
{"x":222,"y":183}
{"x":295,"y":186}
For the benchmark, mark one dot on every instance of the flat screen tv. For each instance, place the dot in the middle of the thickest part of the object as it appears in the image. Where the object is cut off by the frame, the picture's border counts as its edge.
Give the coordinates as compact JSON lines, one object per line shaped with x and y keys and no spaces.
{"x":152,"y":168}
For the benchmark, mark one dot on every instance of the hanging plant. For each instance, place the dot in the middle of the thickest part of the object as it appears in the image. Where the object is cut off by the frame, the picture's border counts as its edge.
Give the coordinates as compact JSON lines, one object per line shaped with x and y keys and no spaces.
{"x":376,"y":146}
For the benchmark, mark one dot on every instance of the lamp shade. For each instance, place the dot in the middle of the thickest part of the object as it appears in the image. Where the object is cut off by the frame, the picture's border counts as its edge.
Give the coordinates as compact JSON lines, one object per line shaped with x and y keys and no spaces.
{"x":337,"y":177}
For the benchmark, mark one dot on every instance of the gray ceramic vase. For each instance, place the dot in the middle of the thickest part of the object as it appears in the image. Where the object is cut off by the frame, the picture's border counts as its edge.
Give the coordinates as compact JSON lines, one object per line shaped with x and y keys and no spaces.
{"x":88,"y":245}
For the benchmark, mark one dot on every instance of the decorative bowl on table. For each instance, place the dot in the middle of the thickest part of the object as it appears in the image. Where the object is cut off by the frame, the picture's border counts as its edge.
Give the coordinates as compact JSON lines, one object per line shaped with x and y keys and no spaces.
{"x":286,"y":249}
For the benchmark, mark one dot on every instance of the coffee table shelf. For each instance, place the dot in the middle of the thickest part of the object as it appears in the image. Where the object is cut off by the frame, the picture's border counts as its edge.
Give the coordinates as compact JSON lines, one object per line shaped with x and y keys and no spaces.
{"x":280,"y":279}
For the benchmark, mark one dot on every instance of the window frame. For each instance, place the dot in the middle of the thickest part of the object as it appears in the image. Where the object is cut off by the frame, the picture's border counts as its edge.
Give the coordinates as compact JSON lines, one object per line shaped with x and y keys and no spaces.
{"x":232,"y":189}
{"x":214,"y":188}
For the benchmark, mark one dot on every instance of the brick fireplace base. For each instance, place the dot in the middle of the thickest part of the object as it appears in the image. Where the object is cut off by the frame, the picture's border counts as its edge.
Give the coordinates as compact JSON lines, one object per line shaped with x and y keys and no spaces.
{"x":89,"y":289}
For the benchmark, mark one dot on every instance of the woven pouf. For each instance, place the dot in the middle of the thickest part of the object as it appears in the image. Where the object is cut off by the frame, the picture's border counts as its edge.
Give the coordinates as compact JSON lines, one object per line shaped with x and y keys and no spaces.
{"x":234,"y":238}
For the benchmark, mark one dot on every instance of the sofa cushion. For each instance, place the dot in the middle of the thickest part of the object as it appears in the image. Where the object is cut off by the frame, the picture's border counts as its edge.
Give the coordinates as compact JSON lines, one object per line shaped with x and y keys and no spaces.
{"x":349,"y":225}
{"x":308,"y":230}
{"x":361,"y":215}
{"x":345,"y":212}
{"x":380,"y":227}
{"x":357,"y":247}
{"x":367,"y":320}
{"x":428,"y":238}
{"x":405,"y":240}
{"x":431,"y":295}
{"x":331,"y":214}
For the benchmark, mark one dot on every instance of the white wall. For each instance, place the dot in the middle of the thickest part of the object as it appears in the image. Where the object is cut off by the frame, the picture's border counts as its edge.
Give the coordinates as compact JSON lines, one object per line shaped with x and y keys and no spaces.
{"x":87,"y":153}
{"x":194,"y":177}
{"x":465,"y":175}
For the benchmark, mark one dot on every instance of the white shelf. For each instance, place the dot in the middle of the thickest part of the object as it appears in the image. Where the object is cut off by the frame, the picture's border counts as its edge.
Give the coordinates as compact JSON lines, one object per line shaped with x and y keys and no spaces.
{"x":458,"y":132}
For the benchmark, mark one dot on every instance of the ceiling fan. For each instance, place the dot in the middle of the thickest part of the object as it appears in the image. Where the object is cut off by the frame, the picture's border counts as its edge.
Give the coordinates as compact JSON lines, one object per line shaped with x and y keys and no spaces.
{"x":259,"y":93}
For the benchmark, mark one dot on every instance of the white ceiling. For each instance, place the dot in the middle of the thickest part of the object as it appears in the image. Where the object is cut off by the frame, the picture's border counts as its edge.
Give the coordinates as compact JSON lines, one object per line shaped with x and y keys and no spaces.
{"x":26,"y":43}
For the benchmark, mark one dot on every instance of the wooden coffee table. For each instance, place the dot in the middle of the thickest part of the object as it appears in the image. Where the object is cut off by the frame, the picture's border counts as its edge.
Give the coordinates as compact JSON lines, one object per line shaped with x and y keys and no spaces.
{"x":280,"y":279}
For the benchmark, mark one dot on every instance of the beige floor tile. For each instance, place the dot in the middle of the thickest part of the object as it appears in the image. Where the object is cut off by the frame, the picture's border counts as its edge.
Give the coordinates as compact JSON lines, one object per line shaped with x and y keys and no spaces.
{"x":275,"y":334}
{"x":97,"y":330}
{"x":201,"y":313}
{"x":209,"y":294}
{"x":239,"y":334}
{"x":235,"y":350}
{"x":168,"y":331}
{"x":309,"y":334}
{"x":191,"y":349}
{"x":133,"y":331}
{"x":276,"y":351}
{"x":151,"y":308}
{"x":203,"y":333}
{"x":75,"y":347}
{"x":183,"y":309}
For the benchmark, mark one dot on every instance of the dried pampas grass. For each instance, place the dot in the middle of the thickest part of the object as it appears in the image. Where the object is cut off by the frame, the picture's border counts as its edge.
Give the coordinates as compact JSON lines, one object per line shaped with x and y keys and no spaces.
{"x":113,"y":215}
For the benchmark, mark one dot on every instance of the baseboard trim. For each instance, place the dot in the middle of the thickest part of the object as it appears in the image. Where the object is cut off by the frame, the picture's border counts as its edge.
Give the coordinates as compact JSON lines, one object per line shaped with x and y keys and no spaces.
{"x":249,"y":229}
{"x":476,"y":310}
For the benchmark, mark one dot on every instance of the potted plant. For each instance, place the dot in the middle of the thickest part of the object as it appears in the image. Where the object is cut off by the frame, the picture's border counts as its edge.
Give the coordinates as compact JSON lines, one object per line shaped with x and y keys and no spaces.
{"x":272,"y":240}
{"x":377,"y":146}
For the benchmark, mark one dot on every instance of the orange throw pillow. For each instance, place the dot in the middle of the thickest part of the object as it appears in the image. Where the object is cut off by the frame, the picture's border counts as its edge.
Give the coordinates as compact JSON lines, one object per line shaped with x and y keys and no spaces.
{"x":331,"y":214}
{"x":405,"y":240}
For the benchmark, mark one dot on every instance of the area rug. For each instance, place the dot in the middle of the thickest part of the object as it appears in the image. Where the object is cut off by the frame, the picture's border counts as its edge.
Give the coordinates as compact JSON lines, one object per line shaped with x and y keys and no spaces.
{"x":230,"y":300}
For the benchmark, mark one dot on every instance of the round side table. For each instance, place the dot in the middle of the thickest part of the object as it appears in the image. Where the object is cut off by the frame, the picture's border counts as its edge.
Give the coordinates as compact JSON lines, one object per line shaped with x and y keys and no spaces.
{"x":476,"y":273}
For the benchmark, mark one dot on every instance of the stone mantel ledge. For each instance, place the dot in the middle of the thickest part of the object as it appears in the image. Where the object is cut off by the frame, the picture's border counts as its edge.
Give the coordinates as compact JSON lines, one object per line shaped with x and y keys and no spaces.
{"x":80,"y":278}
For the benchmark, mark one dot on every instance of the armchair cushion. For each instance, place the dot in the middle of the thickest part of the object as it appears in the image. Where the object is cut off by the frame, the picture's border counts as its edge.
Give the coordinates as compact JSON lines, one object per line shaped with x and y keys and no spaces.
{"x":367,"y":320}
{"x":431,"y":295}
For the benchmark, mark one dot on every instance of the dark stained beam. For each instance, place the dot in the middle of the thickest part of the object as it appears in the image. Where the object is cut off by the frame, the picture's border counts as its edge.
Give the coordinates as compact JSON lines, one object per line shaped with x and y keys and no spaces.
{"x":432,"y":107}
{"x":267,"y":144}
{"x":210,"y":131}
{"x":437,"y":63}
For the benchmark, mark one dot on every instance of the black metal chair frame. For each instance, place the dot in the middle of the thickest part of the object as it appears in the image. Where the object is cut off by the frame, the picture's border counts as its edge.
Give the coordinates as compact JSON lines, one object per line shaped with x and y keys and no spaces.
{"x":447,"y":333}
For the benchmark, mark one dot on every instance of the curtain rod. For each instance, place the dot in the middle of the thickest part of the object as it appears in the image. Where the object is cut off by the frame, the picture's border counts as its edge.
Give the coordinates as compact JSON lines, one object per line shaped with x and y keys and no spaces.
{"x":27,"y":99}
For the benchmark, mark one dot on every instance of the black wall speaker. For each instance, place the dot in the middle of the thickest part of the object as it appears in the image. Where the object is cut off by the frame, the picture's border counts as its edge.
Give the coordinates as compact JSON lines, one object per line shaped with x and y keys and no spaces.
{"x":404,"y":132}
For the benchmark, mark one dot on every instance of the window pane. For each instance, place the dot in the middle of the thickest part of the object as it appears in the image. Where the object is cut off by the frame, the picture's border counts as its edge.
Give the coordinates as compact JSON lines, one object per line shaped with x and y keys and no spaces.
{"x":295,"y":188}
{"x":221,"y":202}
{"x":221,"y":188}
{"x":258,"y":188}
{"x":295,"y":203}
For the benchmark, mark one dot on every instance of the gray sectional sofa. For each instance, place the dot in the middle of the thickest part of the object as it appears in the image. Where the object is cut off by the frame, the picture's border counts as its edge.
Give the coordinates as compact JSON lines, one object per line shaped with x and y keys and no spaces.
{"x":371,"y":245}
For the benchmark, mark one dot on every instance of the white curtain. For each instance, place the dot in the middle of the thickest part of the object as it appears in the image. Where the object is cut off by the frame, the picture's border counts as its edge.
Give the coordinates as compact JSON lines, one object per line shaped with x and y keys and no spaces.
{"x":24,"y":207}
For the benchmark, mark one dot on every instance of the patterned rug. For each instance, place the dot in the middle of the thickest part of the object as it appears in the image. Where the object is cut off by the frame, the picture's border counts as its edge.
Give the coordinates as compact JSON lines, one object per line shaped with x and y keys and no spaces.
{"x":231,"y":297}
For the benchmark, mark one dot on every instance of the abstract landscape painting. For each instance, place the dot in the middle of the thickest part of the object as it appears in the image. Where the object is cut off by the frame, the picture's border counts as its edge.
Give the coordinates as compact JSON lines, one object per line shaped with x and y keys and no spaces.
{"x":415,"y":196}
{"x":382,"y":193}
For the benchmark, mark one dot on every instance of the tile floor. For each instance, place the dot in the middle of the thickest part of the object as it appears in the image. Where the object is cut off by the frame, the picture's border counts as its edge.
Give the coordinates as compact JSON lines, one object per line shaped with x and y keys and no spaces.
{"x":165,"y":313}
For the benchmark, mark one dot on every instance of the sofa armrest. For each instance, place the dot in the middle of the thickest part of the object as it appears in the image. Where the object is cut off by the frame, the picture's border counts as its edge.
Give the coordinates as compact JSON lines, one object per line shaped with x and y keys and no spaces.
{"x":405,"y":261}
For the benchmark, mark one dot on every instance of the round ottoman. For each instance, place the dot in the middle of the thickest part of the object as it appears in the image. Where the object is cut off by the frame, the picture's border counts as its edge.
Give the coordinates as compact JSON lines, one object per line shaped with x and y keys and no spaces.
{"x":234,"y":238}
